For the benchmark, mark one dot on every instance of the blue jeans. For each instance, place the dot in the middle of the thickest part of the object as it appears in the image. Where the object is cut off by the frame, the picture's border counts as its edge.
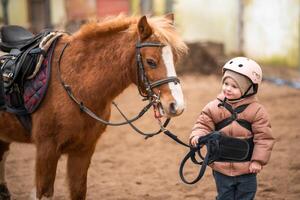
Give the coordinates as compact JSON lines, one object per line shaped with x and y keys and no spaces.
{"x":241,"y":187}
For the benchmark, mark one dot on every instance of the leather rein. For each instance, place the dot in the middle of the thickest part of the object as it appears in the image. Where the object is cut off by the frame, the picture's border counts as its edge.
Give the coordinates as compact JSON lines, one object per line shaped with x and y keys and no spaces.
{"x":143,"y":81}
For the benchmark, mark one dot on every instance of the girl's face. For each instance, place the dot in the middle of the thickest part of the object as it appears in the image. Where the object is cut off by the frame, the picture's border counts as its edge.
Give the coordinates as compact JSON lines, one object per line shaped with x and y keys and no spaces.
{"x":230,"y":89}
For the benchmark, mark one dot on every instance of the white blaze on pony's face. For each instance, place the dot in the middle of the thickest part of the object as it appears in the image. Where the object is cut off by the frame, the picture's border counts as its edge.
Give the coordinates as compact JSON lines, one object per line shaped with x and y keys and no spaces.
{"x":178,"y":105}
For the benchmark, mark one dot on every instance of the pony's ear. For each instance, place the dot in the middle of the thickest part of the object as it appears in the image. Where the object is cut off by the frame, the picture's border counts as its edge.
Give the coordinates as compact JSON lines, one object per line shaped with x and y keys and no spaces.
{"x":144,"y":28}
{"x":170,"y":17}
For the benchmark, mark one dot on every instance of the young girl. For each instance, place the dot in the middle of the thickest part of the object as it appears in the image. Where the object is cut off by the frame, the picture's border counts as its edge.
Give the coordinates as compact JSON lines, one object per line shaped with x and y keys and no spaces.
{"x":236,"y":112}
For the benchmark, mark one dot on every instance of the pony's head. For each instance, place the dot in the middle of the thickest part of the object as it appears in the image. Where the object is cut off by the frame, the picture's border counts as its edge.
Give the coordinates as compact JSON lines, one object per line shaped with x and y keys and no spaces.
{"x":158,"y":49}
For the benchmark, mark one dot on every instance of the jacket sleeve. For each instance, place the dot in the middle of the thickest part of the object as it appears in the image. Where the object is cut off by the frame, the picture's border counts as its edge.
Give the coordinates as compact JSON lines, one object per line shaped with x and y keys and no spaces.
{"x":263,"y":140}
{"x":204,"y":123}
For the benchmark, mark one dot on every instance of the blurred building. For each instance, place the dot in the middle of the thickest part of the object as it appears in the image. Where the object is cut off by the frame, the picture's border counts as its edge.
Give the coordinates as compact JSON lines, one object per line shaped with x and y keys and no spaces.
{"x":39,"y":14}
{"x":267,"y":30}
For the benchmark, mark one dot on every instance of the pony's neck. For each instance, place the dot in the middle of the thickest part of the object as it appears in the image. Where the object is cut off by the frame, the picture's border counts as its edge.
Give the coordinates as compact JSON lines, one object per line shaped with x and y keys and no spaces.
{"x":106,"y":65}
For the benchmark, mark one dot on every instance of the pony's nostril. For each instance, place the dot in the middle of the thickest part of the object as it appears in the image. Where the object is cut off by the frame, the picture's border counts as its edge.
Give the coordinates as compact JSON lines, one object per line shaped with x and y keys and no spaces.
{"x":173,"y":108}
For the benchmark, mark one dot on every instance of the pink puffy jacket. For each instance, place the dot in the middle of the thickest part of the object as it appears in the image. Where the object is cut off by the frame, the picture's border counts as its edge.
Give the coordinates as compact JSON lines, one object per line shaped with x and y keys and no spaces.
{"x":256,"y":114}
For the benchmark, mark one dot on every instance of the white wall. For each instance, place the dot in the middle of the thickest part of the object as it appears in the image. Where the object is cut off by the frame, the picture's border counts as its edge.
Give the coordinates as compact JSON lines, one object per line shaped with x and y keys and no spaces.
{"x":214,"y":20}
{"x":272,"y":30}
{"x":271,"y":27}
{"x":17,"y":12}
{"x":58,"y":13}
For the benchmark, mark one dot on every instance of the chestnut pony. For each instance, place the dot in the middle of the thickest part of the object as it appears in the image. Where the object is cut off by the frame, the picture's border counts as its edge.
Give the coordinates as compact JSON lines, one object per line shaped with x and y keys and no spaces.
{"x":99,"y":62}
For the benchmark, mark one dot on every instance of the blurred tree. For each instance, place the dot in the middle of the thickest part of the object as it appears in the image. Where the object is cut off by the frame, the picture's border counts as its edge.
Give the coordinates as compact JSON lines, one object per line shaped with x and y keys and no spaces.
{"x":5,"y":11}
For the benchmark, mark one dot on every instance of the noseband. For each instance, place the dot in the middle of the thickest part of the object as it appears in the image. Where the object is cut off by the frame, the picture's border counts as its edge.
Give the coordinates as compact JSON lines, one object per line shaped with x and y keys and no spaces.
{"x":142,"y":77}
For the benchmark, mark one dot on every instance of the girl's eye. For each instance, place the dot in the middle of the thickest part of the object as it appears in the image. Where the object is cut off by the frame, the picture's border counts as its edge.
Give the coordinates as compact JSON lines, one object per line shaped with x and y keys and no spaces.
{"x":151,"y":63}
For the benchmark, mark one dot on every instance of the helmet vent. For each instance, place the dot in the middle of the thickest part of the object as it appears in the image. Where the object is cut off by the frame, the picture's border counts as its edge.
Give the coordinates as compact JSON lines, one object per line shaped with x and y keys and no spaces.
{"x":240,"y":65}
{"x":231,"y":62}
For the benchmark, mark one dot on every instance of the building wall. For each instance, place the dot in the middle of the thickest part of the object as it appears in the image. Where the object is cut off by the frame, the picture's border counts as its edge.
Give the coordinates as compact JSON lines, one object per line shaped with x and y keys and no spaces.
{"x":80,"y":9}
{"x":58,"y":13}
{"x":112,"y":7}
{"x":17,"y":12}
{"x":272,"y":30}
{"x":271,"y":27}
{"x":215,"y":20}
{"x":134,"y":7}
{"x":159,"y":7}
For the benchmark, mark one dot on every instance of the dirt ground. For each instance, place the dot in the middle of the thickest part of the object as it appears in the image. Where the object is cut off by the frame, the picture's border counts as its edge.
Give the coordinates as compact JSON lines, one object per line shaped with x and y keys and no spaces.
{"x":125,"y":166}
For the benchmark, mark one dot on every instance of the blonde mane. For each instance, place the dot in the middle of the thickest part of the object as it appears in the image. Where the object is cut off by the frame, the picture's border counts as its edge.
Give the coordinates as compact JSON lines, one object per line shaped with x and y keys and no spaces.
{"x":168,"y":34}
{"x":162,"y":28}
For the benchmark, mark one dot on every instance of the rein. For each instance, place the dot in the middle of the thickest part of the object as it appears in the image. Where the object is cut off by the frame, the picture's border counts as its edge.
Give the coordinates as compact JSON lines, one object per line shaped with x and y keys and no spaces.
{"x":142,"y":78}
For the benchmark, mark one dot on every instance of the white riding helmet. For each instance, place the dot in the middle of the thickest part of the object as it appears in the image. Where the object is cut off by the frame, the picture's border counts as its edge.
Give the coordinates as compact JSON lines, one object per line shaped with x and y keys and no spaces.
{"x":246,"y":67}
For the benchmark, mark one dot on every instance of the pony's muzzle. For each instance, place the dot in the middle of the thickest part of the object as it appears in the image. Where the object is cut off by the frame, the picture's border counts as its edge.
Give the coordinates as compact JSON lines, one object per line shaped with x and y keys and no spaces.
{"x":174,"y":109}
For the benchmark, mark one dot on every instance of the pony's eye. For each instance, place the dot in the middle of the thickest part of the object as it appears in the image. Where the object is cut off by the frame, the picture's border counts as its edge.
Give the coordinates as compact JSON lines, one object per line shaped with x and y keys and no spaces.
{"x":151,"y":63}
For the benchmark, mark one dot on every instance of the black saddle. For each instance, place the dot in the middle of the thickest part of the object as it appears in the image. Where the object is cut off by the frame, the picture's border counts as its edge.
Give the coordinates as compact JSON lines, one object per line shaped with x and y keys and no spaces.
{"x":23,"y":53}
{"x":16,"y":37}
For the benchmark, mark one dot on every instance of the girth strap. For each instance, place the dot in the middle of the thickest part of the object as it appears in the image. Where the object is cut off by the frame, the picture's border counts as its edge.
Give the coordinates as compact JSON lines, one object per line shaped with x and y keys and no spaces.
{"x":233,"y":117}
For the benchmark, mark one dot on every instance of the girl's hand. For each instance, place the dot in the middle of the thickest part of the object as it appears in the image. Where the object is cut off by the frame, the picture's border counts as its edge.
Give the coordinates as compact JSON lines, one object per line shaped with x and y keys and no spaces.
{"x":194,"y":140}
{"x":255,"y":167}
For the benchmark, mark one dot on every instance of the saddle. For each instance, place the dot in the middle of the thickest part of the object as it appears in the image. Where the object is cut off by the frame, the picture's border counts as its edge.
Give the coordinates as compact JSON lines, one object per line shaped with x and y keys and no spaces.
{"x":23,"y":53}
{"x":15,"y":37}
{"x":24,"y":56}
{"x":220,"y":148}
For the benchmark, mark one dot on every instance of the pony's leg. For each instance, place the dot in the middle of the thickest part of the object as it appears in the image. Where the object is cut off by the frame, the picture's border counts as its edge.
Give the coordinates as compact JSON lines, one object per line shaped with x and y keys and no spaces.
{"x":46,"y":163}
{"x":77,"y":167}
{"x":4,"y":192}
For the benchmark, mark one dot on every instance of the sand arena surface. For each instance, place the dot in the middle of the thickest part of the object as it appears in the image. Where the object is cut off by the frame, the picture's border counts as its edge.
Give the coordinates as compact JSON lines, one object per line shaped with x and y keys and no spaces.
{"x":127,"y":167}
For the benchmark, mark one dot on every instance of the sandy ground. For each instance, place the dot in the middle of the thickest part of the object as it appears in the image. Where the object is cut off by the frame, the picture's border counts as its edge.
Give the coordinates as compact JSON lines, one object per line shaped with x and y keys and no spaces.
{"x":127,"y":167}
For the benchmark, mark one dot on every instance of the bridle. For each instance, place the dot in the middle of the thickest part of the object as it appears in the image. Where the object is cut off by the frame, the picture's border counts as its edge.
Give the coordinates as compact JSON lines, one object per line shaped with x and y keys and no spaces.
{"x":142,"y":81}
{"x":142,"y":77}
